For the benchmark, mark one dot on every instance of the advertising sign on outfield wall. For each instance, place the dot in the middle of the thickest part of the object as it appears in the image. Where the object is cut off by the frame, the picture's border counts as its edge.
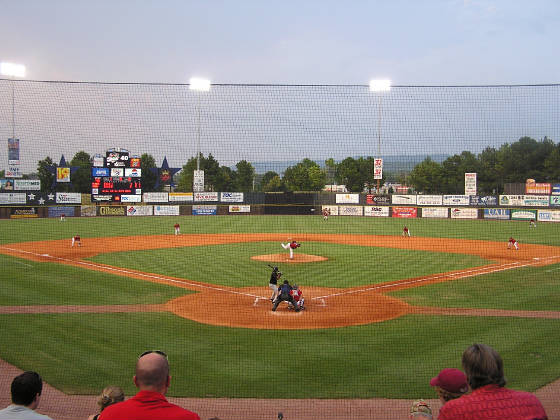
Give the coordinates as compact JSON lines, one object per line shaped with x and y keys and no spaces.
{"x":378,"y":199}
{"x":88,"y":211}
{"x":181,"y":197}
{"x":538,"y":188}
{"x":24,"y":213}
{"x":348,"y":198}
{"x":205,"y":196}
{"x":456,"y":200}
{"x":231,"y":197}
{"x":131,"y":198}
{"x":512,"y":200}
{"x":555,"y":189}
{"x":439,"y":212}
{"x":112,"y":211}
{"x":403,"y":199}
{"x":405,"y":212}
{"x":100,"y":172}
{"x":555,"y":200}
{"x":502,"y":214}
{"x":155,"y":197}
{"x":372,"y":211}
{"x":68,"y":198}
{"x":139,"y":210}
{"x":239,"y":209}
{"x":27,"y":184}
{"x":166,"y":210}
{"x":12,"y":198}
{"x":57,"y":211}
{"x":483,"y":201}
{"x":536,"y":201}
{"x":202,"y":210}
{"x":470,"y":183}
{"x":350,"y":210}
{"x":463,"y":213}
{"x":548,"y":216}
{"x":429,"y":200}
{"x":523,"y":214}
{"x":333,"y":209}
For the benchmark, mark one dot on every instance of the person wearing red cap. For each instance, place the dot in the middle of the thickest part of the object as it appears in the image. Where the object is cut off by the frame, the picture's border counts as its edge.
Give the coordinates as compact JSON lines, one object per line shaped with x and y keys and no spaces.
{"x":450,"y":384}
{"x":490,"y":399}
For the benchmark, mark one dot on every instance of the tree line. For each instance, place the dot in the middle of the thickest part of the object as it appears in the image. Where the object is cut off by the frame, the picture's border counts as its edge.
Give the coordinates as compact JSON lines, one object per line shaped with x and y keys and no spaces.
{"x":510,"y":163}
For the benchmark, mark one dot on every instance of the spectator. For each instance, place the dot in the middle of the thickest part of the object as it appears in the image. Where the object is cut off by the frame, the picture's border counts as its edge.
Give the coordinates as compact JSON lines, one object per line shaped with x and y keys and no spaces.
{"x":26,"y":395}
{"x":450,"y":384}
{"x":420,"y":409}
{"x":109,"y":396}
{"x":489,"y":398}
{"x":152,"y":379}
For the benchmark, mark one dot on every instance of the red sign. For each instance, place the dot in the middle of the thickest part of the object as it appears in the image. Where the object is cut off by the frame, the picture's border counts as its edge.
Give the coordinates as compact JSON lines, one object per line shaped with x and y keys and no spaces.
{"x":405,"y":212}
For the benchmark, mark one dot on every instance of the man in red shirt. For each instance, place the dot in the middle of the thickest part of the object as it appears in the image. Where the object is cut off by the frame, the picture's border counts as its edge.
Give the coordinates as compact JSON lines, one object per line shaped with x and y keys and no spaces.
{"x":152,"y":379}
{"x":489,"y":398}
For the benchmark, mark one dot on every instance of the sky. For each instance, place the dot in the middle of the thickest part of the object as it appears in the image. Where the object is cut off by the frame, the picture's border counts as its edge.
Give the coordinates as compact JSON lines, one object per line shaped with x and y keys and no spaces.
{"x":411,"y":42}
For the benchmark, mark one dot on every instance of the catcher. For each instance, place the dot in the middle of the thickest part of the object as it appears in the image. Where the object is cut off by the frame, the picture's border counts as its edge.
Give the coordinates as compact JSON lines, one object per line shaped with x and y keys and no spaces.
{"x":297,"y":295}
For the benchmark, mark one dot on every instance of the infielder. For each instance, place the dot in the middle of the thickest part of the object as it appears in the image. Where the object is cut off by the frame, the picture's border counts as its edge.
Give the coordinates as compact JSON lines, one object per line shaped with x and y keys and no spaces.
{"x":76,"y":240}
{"x":513,"y":243}
{"x":177,"y":228}
{"x":291,"y":246}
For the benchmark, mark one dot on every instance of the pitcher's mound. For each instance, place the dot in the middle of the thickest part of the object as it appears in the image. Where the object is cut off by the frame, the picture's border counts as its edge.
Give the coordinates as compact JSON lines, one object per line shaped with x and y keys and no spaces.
{"x":285,"y":258}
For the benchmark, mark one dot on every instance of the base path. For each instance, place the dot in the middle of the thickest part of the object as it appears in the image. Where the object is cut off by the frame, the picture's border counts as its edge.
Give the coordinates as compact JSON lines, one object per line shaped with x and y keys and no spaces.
{"x":249,"y":307}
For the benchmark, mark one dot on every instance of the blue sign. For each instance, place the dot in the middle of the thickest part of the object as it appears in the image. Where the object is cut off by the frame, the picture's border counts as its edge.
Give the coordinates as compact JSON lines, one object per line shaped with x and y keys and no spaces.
{"x":100,"y":172}
{"x":58,"y":211}
{"x":555,"y":189}
{"x":502,"y":214}
{"x":204,"y":211}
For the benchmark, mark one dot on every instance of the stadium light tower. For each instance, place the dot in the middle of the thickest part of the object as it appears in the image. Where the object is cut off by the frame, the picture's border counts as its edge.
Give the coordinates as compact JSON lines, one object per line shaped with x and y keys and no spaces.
{"x":199,"y":85}
{"x":12,"y":70}
{"x":379,"y":86}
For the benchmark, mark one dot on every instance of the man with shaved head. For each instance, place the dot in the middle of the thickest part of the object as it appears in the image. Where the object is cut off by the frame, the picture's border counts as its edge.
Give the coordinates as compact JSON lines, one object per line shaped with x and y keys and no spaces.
{"x":152,"y":379}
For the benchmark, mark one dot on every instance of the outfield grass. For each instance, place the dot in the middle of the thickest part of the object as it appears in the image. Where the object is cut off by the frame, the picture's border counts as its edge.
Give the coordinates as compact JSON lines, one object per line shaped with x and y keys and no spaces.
{"x":347,"y":265}
{"x":82,"y":353}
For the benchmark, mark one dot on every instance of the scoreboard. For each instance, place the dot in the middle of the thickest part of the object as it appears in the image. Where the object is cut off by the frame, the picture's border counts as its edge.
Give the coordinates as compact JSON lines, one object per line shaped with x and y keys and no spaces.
{"x":117,"y":177}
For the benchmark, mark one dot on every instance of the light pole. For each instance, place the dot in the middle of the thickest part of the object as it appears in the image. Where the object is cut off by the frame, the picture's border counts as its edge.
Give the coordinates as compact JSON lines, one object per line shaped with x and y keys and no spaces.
{"x":199,"y":85}
{"x":379,"y":86}
{"x":13,"y":70}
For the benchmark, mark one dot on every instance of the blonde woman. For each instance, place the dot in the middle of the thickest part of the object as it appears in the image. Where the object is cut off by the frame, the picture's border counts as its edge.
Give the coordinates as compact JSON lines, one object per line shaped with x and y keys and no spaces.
{"x":110,"y":395}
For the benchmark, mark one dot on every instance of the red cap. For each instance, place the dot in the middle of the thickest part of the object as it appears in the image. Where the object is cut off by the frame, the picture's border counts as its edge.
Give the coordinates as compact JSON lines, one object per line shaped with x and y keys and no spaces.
{"x":451,"y":380}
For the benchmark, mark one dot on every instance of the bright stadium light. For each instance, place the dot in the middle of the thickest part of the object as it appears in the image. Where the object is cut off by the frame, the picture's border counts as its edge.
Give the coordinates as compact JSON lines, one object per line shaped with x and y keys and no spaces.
{"x":379,"y":86}
{"x":199,"y":85}
{"x":382,"y":85}
{"x":202,"y":85}
{"x":12,"y":70}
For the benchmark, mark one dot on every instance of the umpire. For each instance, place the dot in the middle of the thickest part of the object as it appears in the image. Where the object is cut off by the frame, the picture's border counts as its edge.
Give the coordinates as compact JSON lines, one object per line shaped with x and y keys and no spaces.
{"x":284,"y":295}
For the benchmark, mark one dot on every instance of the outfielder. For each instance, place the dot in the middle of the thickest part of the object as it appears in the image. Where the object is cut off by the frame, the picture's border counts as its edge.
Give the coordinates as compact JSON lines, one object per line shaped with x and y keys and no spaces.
{"x":177,"y":228}
{"x":291,"y":246}
{"x":326,"y":214}
{"x":405,"y":232}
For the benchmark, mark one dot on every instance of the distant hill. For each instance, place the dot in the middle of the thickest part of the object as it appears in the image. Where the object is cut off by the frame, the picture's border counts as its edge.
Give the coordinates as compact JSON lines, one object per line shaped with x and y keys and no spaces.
{"x":390,"y":163}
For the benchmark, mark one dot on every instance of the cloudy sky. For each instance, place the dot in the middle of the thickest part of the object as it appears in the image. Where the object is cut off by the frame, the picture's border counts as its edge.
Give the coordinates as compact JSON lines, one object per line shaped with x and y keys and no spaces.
{"x":284,"y":41}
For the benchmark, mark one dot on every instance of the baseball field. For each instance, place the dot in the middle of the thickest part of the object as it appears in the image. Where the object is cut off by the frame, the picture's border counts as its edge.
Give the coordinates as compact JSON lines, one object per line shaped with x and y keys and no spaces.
{"x":383,"y":313}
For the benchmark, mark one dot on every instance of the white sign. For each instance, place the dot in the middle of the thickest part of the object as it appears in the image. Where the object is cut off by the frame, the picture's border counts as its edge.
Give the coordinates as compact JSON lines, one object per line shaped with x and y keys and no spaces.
{"x":205,"y":196}
{"x":409,"y":199}
{"x":12,"y":198}
{"x":373,"y":211}
{"x":166,"y":210}
{"x":27,"y":184}
{"x":155,"y":197}
{"x":348,"y":198}
{"x":117,"y":171}
{"x":133,"y":172}
{"x":13,"y":172}
{"x":198,"y":181}
{"x":181,"y":197}
{"x":548,"y":215}
{"x":68,"y":198}
{"x":350,"y":210}
{"x":470,"y":183}
{"x":377,"y":168}
{"x":456,"y":200}
{"x":139,"y":210}
{"x":239,"y":209}
{"x":439,"y":212}
{"x":462,"y":213}
{"x":429,"y":200}
{"x":131,"y":198}
{"x":231,"y":197}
